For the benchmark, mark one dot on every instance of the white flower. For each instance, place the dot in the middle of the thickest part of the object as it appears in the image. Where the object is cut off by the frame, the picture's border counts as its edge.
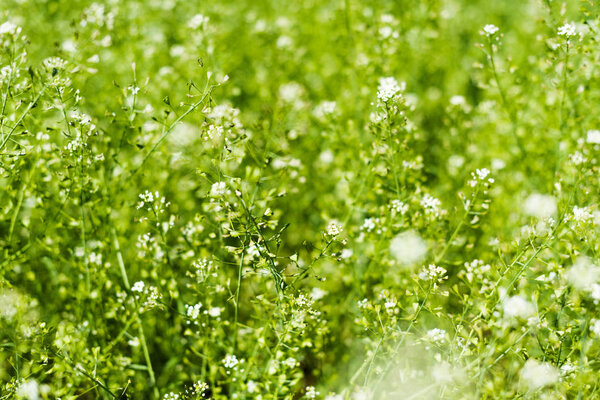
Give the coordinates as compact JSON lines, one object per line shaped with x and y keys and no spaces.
{"x":311,"y":392}
{"x":583,"y":274}
{"x":595,"y":327}
{"x":326,"y":157}
{"x":325,"y":109}
{"x":432,"y":272}
{"x":581,"y":214}
{"x":430,"y":204}
{"x":291,"y":92}
{"x":230,"y":361}
{"x":29,"y":390}
{"x":537,"y":374}
{"x":251,"y":386}
{"x":214,"y":312}
{"x":567,"y":30}
{"x":346,"y":253}
{"x":317,"y":293}
{"x":199,"y":388}
{"x":134,"y":90}
{"x":198,"y":21}
{"x":436,"y":335}
{"x":215,"y":131}
{"x":333,"y":229}
{"x":595,"y":292}
{"x":369,"y":224}
{"x":458,"y":100}
{"x":593,"y":136}
{"x":398,"y":206}
{"x":291,"y":362}
{"x":490,"y":30}
{"x":567,"y":368}
{"x":577,"y":158}
{"x":540,"y":205}
{"x":193,"y":311}
{"x":218,"y":189}
{"x":408,"y":247}
{"x":364,"y":303}
{"x":138,"y":287}
{"x":518,"y":307}
{"x":9,"y":27}
{"x":389,"y":88}
{"x":482,"y":173}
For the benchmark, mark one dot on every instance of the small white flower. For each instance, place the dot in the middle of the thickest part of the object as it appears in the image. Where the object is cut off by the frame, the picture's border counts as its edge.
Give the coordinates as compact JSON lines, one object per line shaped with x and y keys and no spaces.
{"x":479,"y":176}
{"x":9,"y":27}
{"x":433,"y":272}
{"x":138,"y":287}
{"x":593,"y":136}
{"x":198,"y":21}
{"x":346,"y":253}
{"x":311,"y":392}
{"x":390,"y":305}
{"x":389,"y":88}
{"x":581,"y":214}
{"x":193,"y":311}
{"x":408,"y":248}
{"x":370,"y":224}
{"x":251,"y":386}
{"x":577,"y":158}
{"x":230,"y":361}
{"x":518,"y":307}
{"x":436,"y":335}
{"x":537,"y":374}
{"x":398,"y":206}
{"x":458,"y":100}
{"x":291,"y":92}
{"x":364,"y":303}
{"x":29,"y":390}
{"x":214,"y":312}
{"x":325,"y":109}
{"x":290,"y":362}
{"x":482,"y":173}
{"x":333,"y":229}
{"x":218,"y":189}
{"x":583,"y":274}
{"x":490,"y":30}
{"x":317,"y":293}
{"x":567,"y":30}
{"x":595,"y":327}
{"x":540,"y":205}
{"x":430,"y":204}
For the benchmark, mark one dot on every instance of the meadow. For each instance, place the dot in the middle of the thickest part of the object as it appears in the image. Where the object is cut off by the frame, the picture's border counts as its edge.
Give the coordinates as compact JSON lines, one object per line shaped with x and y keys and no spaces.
{"x":334,"y":200}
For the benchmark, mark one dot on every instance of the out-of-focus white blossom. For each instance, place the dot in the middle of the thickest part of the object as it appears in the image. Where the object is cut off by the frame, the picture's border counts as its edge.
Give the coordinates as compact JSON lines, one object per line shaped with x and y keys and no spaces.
{"x":408,"y":248}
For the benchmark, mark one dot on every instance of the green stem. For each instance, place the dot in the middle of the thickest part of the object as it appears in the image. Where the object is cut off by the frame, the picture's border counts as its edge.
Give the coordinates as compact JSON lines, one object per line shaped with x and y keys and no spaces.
{"x":137,"y":315}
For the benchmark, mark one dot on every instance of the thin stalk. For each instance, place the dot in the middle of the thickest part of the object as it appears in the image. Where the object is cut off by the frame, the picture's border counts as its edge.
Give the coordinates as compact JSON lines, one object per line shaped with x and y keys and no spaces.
{"x":237,"y":298}
{"x":561,"y":119}
{"x":137,"y":315}
{"x":505,"y":105}
{"x":29,"y":107}
{"x":167,"y":131}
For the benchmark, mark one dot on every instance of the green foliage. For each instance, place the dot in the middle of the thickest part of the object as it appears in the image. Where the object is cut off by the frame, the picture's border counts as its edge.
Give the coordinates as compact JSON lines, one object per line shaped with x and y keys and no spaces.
{"x":286,"y":200}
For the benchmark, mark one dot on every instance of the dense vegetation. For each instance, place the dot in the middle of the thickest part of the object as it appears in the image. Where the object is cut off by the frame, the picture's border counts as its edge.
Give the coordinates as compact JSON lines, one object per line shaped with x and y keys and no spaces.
{"x":299,"y":200}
